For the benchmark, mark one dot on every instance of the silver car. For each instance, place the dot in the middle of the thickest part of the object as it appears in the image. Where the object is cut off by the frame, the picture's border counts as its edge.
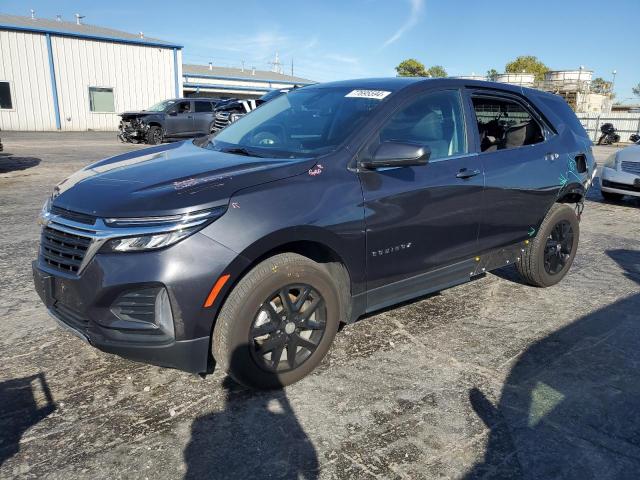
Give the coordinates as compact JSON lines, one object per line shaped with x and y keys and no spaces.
{"x":620,"y":174}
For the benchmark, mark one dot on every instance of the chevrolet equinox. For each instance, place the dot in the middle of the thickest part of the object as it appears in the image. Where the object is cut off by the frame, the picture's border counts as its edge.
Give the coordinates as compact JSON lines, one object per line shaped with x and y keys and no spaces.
{"x":248,"y":248}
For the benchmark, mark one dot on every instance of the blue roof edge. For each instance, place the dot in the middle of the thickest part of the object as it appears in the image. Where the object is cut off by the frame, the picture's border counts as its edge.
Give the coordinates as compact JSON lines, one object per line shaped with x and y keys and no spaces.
{"x":65,"y":33}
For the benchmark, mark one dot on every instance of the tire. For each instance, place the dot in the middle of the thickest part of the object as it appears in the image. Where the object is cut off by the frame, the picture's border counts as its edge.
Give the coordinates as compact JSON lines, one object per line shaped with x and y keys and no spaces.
{"x":612,"y":196}
{"x":234,"y":347}
{"x":532,"y":265}
{"x":154,"y":136}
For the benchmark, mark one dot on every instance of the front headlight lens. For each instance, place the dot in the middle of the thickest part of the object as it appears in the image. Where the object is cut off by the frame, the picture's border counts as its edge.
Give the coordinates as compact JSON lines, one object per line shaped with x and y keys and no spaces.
{"x":148,"y":242}
{"x":158,"y":232}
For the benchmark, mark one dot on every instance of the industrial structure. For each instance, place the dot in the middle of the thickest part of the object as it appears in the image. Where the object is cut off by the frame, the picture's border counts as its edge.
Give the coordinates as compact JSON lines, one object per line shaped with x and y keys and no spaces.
{"x":60,"y":75}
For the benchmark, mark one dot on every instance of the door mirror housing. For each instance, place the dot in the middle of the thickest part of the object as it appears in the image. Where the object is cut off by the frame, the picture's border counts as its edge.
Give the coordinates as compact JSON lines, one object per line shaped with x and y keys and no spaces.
{"x":397,"y":154}
{"x":173,"y":113}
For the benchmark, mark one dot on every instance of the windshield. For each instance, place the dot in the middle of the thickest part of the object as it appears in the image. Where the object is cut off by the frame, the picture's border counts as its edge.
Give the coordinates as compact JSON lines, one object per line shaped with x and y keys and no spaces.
{"x":161,"y":106}
{"x":303,"y":123}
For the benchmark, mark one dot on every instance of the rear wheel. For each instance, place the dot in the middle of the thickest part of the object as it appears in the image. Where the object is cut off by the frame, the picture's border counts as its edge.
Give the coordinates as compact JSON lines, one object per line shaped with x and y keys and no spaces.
{"x":611,"y":196}
{"x":278,"y":322}
{"x":548,"y":257}
{"x":154,"y":136}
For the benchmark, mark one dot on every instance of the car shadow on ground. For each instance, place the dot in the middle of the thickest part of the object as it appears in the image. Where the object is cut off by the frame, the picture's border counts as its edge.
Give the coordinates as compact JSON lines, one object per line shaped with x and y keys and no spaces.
{"x":9,"y":163}
{"x":257,"y":435}
{"x":20,"y":409}
{"x":569,"y":407}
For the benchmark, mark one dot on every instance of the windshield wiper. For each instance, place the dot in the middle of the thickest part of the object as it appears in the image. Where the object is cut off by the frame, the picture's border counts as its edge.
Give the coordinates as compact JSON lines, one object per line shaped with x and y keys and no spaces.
{"x":240,"y":151}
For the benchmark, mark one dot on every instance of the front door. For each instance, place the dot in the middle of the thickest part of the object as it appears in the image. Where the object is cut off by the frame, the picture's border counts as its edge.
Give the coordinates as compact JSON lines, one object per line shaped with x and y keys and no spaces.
{"x":424,"y":218}
{"x":179,"y":120}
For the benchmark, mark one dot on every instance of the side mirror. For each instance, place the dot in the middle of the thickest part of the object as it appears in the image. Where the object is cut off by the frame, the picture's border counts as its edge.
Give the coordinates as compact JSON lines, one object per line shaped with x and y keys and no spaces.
{"x":173,"y":113}
{"x":397,"y":154}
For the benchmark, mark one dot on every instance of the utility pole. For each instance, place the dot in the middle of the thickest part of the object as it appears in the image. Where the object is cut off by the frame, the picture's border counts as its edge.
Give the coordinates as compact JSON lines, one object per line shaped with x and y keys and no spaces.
{"x":292,"y":66}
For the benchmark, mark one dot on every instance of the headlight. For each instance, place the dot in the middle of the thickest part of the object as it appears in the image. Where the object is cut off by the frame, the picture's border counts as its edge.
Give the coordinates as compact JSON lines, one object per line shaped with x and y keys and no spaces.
{"x":152,"y":233}
{"x":611,"y":161}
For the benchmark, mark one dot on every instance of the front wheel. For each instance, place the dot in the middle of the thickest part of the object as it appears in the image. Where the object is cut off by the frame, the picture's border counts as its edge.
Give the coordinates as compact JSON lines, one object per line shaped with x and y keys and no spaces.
{"x":154,"y":136}
{"x":278,"y":322}
{"x":548,"y":257}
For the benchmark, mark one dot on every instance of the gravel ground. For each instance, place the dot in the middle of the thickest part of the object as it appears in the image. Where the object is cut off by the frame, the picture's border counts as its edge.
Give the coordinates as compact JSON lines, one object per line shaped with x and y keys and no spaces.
{"x":489,"y":379}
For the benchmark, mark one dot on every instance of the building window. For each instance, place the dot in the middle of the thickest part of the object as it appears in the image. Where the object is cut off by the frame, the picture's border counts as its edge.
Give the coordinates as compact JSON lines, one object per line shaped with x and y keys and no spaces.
{"x":101,"y":100}
{"x":5,"y":96}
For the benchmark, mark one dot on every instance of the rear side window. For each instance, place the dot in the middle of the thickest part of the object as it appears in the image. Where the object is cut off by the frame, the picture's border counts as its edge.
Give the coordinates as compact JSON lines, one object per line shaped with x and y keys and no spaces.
{"x":434,"y":120}
{"x":204,"y":107}
{"x":504,"y":124}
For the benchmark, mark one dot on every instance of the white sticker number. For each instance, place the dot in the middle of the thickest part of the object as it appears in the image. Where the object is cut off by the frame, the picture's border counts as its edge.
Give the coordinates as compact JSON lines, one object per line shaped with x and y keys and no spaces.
{"x":375,"y":94}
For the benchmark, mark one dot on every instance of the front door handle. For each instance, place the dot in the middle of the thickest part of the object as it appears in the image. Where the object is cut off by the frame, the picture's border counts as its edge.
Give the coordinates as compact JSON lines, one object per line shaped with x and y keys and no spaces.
{"x":465,"y":173}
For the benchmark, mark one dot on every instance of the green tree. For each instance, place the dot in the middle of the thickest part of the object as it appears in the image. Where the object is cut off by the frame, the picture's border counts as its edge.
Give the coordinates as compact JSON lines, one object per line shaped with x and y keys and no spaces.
{"x":636,"y":90}
{"x":411,"y":68}
{"x":600,"y":85}
{"x":492,"y":74}
{"x":527,"y":64}
{"x":437,"y":71}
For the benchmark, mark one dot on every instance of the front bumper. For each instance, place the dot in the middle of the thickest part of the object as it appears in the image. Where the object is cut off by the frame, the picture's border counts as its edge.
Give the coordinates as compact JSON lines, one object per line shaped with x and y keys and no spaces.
{"x":86,"y":304}
{"x":615,"y":181}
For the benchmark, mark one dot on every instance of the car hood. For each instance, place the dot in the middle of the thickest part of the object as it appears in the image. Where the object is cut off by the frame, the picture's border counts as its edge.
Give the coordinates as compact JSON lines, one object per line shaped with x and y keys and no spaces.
{"x":141,"y":113}
{"x":630,"y":154}
{"x":166,"y":180}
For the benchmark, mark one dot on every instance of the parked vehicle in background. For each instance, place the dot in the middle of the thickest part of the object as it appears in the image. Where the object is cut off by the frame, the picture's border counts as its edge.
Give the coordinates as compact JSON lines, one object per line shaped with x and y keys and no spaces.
{"x":609,"y":135}
{"x":170,"y":119}
{"x":620,"y":174}
{"x":251,"y":246}
{"x":635,"y":138}
{"x":231,"y":111}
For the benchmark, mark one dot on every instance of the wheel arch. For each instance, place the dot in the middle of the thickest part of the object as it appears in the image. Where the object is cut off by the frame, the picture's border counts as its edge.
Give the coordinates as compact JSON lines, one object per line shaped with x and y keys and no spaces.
{"x":571,"y":193}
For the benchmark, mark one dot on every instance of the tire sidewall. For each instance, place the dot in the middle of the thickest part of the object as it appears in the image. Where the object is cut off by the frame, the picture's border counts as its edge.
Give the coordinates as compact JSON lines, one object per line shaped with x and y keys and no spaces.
{"x":240,"y":361}
{"x":565,"y":213}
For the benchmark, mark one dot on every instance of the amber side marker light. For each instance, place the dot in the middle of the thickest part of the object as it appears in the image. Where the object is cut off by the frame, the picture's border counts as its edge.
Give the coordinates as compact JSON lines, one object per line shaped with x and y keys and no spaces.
{"x":216,"y":290}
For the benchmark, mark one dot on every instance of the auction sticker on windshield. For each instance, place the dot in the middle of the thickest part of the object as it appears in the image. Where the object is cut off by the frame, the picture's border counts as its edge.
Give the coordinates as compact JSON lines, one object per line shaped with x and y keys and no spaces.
{"x":375,"y":94}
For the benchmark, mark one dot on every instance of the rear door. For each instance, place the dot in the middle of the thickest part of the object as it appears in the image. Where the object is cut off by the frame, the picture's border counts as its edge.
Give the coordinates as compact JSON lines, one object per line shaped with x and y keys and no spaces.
{"x":203,"y":116}
{"x":423,"y":217}
{"x":522,"y":163}
{"x":179,"y":120}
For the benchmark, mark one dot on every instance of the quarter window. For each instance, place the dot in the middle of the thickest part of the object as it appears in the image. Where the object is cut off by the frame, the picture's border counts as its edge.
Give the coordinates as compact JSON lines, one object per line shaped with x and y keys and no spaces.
{"x":434,"y":120}
{"x":5,"y":96}
{"x":504,"y":124}
{"x":101,"y":100}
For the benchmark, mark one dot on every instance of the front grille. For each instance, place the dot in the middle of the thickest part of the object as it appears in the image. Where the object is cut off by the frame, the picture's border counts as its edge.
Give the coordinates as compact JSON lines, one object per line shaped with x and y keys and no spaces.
{"x":620,"y":186}
{"x":631,"y":167}
{"x":63,"y":251}
{"x":75,"y":216}
{"x":221,"y":120}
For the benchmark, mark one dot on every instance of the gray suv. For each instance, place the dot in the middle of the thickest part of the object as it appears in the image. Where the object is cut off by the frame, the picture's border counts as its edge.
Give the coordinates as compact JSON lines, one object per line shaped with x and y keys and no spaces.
{"x":175,"y":118}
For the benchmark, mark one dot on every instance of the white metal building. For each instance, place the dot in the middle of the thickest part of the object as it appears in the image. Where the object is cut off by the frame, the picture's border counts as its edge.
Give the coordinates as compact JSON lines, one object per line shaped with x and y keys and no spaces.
{"x":223,"y":82}
{"x":71,"y":76}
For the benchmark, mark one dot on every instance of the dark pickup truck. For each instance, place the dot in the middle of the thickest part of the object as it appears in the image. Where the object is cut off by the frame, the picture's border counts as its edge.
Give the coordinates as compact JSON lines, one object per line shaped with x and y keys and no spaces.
{"x":175,"y":118}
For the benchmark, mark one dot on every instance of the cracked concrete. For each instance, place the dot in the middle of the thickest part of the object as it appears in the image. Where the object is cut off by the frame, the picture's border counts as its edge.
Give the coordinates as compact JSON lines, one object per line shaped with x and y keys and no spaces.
{"x":492,"y":379}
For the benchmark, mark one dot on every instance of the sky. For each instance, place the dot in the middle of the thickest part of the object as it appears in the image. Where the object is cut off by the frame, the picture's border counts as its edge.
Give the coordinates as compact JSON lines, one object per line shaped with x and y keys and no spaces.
{"x":332,"y":39}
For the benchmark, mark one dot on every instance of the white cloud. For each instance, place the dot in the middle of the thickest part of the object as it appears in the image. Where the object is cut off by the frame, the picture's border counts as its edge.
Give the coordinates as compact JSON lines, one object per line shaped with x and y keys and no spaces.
{"x":417,"y":7}
{"x":338,"y":57}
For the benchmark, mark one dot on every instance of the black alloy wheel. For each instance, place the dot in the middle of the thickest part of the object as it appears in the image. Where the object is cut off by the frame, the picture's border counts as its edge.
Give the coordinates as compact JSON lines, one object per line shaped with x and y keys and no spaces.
{"x":288,"y":328}
{"x":558,"y":248}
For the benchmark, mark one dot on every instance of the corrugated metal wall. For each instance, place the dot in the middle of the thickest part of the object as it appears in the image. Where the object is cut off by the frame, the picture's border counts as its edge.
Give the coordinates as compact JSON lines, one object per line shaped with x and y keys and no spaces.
{"x":624,"y":123}
{"x":139,"y":75}
{"x":24,"y":64}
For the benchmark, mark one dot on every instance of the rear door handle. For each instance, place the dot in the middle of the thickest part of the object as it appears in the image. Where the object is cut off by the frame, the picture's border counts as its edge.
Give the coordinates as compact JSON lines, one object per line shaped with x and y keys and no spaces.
{"x":465,"y":173}
{"x":551,"y":156}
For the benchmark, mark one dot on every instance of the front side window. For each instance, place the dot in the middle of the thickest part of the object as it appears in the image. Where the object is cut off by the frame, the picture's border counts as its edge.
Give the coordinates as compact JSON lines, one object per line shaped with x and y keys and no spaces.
{"x":101,"y":100}
{"x":504,"y":124}
{"x":435,"y":120}
{"x":161,"y":106}
{"x":204,"y":107}
{"x":305,"y":122}
{"x":5,"y":96}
